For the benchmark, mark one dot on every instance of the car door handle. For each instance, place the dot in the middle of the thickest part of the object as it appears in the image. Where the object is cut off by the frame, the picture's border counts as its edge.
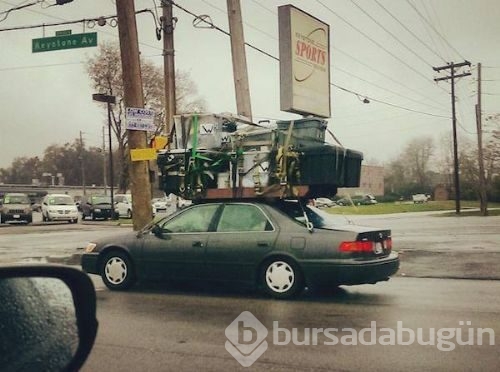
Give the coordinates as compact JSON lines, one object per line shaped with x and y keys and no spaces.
{"x":262,"y":244}
{"x":197,"y":244}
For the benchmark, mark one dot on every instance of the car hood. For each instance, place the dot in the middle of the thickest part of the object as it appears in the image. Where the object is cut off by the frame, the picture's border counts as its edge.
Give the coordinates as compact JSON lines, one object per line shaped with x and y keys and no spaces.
{"x":118,"y":239}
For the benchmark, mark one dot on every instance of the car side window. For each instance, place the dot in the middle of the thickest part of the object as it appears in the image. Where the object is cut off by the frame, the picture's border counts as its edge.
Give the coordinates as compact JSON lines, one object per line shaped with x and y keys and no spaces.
{"x":240,"y":217}
{"x":195,"y":219}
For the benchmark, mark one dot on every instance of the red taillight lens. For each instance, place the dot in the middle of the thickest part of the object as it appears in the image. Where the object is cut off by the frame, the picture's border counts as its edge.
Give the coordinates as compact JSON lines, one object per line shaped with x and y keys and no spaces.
{"x":356,"y":246}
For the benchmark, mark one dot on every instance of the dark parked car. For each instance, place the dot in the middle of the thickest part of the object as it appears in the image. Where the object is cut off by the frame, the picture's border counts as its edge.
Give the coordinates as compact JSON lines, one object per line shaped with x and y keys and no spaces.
{"x":358,"y":200}
{"x":96,"y":206}
{"x":16,"y":207}
{"x":281,"y":247}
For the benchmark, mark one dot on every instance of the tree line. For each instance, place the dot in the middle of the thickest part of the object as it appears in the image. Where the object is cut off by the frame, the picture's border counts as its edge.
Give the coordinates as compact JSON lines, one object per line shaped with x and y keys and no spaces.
{"x":426,"y":163}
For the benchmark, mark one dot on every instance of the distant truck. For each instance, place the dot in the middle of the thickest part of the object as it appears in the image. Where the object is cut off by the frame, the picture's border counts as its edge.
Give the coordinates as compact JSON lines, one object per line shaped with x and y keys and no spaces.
{"x":420,"y":198}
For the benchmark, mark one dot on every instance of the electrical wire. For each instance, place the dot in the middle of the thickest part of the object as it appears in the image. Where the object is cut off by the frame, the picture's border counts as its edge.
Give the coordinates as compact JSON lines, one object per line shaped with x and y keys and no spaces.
{"x":377,"y":43}
{"x":434,"y":29}
{"x":392,"y":35}
{"x":410,"y":31}
{"x":212,"y":25}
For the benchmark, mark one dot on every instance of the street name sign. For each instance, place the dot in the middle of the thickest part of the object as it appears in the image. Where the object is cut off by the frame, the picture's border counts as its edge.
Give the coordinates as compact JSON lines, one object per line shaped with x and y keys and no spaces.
{"x":59,"y":42}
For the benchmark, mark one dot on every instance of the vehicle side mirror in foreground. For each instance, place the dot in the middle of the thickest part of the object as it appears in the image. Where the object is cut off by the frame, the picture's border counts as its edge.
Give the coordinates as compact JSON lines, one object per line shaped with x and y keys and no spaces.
{"x":47,"y":318}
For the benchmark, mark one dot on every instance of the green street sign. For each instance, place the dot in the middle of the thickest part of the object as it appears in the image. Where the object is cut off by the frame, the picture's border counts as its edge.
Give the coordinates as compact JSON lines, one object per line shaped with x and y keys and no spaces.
{"x":47,"y":44}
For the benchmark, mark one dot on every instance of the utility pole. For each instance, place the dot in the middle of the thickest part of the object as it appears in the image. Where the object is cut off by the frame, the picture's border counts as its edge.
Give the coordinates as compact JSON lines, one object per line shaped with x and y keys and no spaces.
{"x":167,"y":26}
{"x":483,"y":197}
{"x":82,"y":164}
{"x":451,"y":66}
{"x":104,"y":161}
{"x":240,"y":72}
{"x":140,"y":185}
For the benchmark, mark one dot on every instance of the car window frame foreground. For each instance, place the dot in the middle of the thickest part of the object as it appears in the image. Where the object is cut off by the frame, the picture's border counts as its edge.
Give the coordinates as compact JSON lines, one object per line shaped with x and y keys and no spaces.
{"x":84,"y":299}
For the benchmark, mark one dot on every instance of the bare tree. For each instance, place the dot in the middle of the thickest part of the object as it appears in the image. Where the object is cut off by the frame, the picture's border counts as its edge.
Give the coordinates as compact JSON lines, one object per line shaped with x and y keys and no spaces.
{"x":105,"y":73}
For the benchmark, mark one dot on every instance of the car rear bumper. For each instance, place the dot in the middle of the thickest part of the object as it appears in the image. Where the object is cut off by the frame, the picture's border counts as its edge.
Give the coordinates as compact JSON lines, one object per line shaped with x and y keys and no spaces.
{"x":90,"y":263}
{"x":350,"y":272}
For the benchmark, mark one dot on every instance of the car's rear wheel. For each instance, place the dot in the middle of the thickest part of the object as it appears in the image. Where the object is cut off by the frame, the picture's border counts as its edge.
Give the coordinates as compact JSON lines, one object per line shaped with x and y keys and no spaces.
{"x":281,"y":278}
{"x":117,"y":271}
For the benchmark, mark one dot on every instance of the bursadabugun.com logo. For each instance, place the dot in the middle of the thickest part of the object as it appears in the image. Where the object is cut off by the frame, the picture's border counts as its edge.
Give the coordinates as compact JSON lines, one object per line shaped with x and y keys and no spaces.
{"x":247,"y":337}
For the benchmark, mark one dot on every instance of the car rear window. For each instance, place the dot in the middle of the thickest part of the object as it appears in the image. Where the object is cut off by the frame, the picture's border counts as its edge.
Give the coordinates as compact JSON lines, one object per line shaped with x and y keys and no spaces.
{"x":317,"y":217}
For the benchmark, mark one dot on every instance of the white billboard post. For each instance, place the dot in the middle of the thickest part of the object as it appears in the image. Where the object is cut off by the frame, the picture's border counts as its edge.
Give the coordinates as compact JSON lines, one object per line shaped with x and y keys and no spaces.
{"x":304,"y":46}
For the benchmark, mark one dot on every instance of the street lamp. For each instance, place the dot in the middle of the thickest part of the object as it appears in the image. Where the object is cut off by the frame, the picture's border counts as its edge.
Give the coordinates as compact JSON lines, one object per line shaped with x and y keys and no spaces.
{"x":100,"y":97}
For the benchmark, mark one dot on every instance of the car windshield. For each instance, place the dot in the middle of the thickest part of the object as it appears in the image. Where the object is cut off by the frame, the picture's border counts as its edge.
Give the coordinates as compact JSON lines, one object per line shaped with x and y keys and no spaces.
{"x":60,"y":200}
{"x":101,"y":199}
{"x":317,"y":217}
{"x":16,"y":199}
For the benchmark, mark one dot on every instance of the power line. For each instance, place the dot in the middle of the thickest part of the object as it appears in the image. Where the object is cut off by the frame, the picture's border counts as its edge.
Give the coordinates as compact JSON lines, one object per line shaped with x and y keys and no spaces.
{"x":277,"y":59}
{"x":410,"y":31}
{"x":390,"y":33}
{"x":435,"y":30}
{"x":338,"y":68}
{"x":377,"y":43}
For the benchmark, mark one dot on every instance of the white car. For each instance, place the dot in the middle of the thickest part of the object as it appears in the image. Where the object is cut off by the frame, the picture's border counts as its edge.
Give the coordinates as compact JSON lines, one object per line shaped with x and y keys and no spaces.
{"x":123,"y":205}
{"x":323,"y":202}
{"x":59,"y":207}
{"x":163,"y":205}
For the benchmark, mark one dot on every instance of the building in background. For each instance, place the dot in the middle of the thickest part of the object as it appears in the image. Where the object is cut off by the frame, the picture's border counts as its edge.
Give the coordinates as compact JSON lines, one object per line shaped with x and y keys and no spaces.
{"x":371,"y":182}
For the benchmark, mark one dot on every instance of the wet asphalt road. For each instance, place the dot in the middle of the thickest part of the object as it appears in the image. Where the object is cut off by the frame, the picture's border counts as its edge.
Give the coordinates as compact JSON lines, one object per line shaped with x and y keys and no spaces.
{"x":164,"y":328}
{"x":183,"y":329}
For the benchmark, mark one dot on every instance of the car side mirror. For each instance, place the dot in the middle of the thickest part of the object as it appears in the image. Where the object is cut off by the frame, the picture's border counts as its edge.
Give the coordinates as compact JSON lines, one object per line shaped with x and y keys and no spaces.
{"x":49,"y":320}
{"x":157,"y":230}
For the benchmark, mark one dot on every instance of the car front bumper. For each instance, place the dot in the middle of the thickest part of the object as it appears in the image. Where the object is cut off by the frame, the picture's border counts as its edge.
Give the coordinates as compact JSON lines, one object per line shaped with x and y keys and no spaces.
{"x":349,"y":272}
{"x":90,"y":263}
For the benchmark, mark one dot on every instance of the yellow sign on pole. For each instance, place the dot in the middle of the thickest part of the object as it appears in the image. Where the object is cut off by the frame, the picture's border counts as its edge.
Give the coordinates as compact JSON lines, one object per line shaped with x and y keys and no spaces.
{"x":143,"y":154}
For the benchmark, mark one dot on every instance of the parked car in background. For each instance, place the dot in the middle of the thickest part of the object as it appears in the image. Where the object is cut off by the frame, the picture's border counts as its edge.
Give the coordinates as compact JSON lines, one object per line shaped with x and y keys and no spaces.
{"x":97,"y":206}
{"x":366,"y":199}
{"x":323,"y":202}
{"x":164,"y":205}
{"x":281,"y":247}
{"x":420,"y":198}
{"x":123,"y":205}
{"x":16,"y":207}
{"x":59,"y":207}
{"x":183,"y":203}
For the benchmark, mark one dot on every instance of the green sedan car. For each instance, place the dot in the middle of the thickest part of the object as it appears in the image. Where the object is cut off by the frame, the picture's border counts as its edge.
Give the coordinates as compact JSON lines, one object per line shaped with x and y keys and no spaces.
{"x":281,"y":247}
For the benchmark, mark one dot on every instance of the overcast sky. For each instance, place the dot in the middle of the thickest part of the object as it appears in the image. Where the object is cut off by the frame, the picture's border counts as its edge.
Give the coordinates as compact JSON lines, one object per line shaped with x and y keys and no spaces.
{"x":46,"y":97}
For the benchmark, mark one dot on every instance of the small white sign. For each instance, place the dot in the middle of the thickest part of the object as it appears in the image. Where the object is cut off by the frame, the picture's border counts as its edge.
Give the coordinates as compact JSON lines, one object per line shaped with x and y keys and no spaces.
{"x":140,"y":119}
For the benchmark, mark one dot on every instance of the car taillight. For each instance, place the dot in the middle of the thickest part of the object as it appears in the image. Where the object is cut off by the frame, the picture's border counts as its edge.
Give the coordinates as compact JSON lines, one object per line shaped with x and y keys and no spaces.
{"x":388,"y":243}
{"x":356,"y":246}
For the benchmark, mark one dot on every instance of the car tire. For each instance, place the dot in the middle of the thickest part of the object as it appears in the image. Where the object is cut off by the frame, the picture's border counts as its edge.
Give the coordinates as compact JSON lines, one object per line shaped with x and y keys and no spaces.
{"x":281,"y":278}
{"x":44,"y":219}
{"x":92,"y":216}
{"x":129,"y":213}
{"x":117,"y":271}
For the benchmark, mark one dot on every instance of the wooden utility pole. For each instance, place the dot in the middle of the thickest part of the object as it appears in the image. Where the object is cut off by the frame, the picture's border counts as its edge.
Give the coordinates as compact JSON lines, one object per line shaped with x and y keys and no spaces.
{"x":451,"y":66}
{"x":483,"y":197}
{"x":140,"y":185}
{"x":240,"y":72}
{"x":82,"y":165}
{"x":168,"y":25}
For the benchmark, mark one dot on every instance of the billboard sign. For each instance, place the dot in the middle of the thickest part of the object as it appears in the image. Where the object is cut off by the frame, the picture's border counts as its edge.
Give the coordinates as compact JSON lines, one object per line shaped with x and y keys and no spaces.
{"x":304,"y":63}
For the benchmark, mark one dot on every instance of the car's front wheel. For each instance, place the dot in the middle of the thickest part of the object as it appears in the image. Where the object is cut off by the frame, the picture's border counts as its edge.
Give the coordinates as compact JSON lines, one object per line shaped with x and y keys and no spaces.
{"x":117,"y":271}
{"x":281,"y":278}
